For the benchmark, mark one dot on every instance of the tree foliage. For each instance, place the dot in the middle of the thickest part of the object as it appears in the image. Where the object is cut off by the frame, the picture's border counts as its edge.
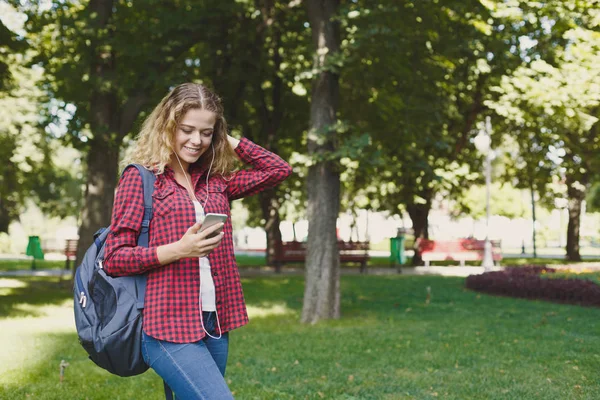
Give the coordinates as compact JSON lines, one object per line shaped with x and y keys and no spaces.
{"x":34,"y":164}
{"x":551,"y":103}
{"x":415,"y":79}
{"x":593,"y":199}
{"x":419,"y":73}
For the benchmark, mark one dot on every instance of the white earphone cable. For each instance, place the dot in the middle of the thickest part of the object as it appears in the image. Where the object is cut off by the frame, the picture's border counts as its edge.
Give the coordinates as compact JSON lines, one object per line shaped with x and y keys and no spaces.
{"x":203,"y":208}
{"x":200,"y":295}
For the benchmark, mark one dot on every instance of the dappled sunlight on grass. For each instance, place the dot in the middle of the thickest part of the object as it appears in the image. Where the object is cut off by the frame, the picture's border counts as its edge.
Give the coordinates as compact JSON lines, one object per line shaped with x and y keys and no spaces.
{"x":389,"y":344}
{"x":11,"y":283}
{"x":269,"y":282}
{"x":40,"y":379}
{"x":263,"y":293}
{"x":586,"y":273}
{"x":21,"y":297}
{"x":7,"y":286}
{"x":27,"y":336}
{"x":47,"y":316}
{"x":255,"y":311}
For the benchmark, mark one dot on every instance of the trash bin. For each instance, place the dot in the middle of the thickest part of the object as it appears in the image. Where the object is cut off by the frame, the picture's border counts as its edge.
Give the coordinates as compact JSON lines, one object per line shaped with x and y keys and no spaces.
{"x":34,"y":249}
{"x":397,"y":251}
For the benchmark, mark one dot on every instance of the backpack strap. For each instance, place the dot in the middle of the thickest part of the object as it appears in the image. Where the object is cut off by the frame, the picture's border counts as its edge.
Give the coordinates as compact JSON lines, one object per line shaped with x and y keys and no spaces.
{"x":168,"y":391}
{"x":148,"y":179}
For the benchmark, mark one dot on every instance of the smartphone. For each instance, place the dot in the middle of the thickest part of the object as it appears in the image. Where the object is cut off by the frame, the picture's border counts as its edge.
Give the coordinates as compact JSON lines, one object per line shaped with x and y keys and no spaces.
{"x":211,"y":219}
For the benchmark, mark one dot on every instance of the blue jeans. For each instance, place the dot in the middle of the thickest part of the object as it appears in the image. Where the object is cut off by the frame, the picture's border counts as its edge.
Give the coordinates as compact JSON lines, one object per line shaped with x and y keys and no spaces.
{"x":192,"y":370}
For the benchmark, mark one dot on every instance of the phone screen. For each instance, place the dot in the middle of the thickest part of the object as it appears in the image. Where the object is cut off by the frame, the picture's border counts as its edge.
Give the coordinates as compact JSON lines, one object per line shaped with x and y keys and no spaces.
{"x":211,"y":219}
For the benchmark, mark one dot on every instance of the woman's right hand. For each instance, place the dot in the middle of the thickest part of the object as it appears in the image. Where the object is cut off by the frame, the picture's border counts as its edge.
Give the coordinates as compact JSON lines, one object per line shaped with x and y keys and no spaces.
{"x":193,"y":244}
{"x":197,"y":244}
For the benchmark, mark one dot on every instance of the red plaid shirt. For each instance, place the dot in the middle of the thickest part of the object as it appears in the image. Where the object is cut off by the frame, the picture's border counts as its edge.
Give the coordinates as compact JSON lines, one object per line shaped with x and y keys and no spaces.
{"x":172,"y":309}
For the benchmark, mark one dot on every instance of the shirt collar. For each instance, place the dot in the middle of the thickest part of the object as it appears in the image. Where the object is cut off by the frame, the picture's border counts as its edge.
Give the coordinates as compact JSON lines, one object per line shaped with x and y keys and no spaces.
{"x":196,"y":170}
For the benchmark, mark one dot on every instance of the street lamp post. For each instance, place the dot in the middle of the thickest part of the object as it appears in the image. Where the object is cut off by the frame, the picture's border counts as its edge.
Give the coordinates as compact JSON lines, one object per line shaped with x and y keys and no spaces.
{"x":483,"y":142}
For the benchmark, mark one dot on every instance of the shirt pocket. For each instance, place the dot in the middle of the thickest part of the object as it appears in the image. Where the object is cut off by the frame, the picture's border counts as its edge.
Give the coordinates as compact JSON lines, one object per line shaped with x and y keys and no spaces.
{"x":217,"y":197}
{"x":163,"y":202}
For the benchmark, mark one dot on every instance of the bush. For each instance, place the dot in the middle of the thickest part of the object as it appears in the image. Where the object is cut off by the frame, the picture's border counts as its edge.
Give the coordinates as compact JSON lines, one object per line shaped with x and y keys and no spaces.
{"x":529,"y":283}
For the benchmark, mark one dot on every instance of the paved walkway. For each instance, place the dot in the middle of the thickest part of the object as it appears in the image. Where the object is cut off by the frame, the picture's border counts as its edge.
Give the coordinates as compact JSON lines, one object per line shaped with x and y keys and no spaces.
{"x":257,"y":271}
{"x":249,"y":271}
{"x":433,"y":270}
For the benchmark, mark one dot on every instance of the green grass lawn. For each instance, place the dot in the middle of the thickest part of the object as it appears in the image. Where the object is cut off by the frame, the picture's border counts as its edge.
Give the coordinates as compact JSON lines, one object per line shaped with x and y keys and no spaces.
{"x":242,"y":260}
{"x":388,"y":345}
{"x":590,"y":276}
{"x":13,"y":265}
{"x":544,"y":261}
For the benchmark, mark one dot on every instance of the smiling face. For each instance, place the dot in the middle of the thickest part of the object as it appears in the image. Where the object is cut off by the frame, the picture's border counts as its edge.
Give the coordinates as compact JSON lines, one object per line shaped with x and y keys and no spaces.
{"x":193,"y":137}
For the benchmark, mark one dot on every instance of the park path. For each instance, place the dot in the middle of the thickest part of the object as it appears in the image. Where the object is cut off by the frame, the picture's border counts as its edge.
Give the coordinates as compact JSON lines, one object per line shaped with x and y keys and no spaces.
{"x":410,"y":271}
{"x":249,"y":271}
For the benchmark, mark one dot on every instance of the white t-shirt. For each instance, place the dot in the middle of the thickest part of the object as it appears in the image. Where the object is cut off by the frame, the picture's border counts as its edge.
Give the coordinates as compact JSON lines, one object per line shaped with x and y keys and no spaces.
{"x":207,"y":285}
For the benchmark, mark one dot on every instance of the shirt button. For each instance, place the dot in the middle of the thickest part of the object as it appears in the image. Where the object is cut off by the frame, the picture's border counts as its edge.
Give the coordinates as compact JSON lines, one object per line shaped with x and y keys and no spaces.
{"x":215,"y":273}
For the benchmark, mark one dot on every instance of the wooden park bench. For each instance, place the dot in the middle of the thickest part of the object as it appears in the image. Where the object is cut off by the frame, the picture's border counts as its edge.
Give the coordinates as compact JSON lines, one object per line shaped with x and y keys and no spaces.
{"x":70,"y":252}
{"x":350,"y":252}
{"x":456,"y":250}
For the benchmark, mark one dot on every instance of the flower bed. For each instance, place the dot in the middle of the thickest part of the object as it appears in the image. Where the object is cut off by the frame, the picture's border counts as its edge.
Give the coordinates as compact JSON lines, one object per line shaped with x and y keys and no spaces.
{"x":528,"y":283}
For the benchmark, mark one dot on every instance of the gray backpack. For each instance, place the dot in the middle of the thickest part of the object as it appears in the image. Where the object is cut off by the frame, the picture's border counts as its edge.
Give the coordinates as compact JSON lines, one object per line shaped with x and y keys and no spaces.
{"x":108,"y":311}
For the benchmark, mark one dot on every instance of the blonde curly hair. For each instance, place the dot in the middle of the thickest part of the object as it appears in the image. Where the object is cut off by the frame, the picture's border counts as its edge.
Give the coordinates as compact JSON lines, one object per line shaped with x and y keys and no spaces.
{"x":153,"y":146}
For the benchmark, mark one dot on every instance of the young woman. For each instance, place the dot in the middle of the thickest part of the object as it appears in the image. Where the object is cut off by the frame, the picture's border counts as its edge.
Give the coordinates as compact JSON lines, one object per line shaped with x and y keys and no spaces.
{"x":193,"y":292}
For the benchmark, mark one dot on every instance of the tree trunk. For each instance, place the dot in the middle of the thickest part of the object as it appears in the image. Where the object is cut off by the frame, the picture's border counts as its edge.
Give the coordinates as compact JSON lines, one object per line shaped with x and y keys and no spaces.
{"x":576,"y":191}
{"x":103,"y":151}
{"x":419,"y":215}
{"x":102,"y":166}
{"x":270,"y":112}
{"x":269,"y":203}
{"x":322,"y":289}
{"x":321,"y":294}
{"x":533,"y":233}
